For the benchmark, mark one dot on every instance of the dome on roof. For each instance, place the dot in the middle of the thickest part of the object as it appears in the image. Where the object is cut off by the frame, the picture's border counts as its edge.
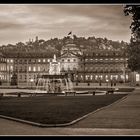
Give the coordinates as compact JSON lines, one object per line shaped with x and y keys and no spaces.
{"x":70,"y":47}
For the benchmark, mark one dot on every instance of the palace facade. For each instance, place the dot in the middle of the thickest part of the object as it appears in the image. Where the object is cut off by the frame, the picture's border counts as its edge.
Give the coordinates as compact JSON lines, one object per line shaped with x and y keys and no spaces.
{"x":98,"y":66}
{"x":3,"y":68}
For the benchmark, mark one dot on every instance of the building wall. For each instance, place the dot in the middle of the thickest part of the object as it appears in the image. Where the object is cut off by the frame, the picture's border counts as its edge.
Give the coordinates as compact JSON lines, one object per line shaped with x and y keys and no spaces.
{"x":98,"y":66}
{"x":69,"y":63}
{"x":9,"y":68}
{"x":3,"y":70}
{"x":104,"y":68}
{"x":27,"y":69}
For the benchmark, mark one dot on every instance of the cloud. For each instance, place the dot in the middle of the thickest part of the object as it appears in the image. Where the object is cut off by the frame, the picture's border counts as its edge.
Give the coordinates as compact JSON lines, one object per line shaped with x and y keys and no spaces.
{"x":9,"y":25}
{"x":48,"y":21}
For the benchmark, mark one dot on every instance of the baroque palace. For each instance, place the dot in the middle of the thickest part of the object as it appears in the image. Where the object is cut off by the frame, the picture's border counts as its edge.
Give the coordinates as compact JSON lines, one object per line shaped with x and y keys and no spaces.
{"x":98,"y":66}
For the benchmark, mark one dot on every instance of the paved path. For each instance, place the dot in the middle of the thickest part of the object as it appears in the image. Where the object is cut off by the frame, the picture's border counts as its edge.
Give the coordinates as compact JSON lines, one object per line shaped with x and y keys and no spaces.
{"x":122,"y":118}
{"x":15,"y":128}
{"x":125,"y":114}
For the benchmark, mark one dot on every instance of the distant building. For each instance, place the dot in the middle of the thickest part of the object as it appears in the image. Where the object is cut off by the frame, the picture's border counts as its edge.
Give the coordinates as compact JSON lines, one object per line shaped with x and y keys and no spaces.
{"x":27,"y":66}
{"x":104,"y":66}
{"x":70,"y":59}
{"x":3,"y":68}
{"x":97,"y":66}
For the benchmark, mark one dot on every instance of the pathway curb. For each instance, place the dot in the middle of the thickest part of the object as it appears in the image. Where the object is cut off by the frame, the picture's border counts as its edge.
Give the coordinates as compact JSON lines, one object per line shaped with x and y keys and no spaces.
{"x":65,"y":124}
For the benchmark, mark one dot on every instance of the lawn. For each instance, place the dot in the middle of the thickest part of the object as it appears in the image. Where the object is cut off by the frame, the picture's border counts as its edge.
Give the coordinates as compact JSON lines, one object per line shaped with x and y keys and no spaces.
{"x":120,"y":89}
{"x":54,"y":109}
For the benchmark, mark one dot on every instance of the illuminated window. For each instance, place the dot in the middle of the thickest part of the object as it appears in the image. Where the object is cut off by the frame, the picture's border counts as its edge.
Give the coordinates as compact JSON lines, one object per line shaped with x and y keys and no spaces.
{"x":101,"y":76}
{"x":137,"y":77}
{"x":7,"y":60}
{"x":91,"y":77}
{"x":34,"y":68}
{"x":87,"y":77}
{"x":111,"y":77}
{"x":122,"y":76}
{"x":29,"y":68}
{"x":39,"y":60}
{"x":48,"y":60}
{"x":38,"y":68}
{"x":126,"y":77}
{"x":116,"y":77}
{"x":11,"y":67}
{"x":96,"y":77}
{"x":11,"y":60}
{"x":44,"y":60}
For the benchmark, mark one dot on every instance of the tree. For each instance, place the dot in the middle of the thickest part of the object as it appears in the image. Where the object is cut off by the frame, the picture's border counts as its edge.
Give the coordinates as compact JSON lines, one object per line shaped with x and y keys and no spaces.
{"x":134,"y":46}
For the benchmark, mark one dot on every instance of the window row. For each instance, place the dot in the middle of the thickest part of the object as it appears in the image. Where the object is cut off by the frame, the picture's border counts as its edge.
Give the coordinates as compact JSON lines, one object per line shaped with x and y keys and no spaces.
{"x":2,"y":60}
{"x":106,"y":77}
{"x":2,"y":77}
{"x":2,"y":68}
{"x":32,"y":60}
{"x":68,"y":60}
{"x":106,"y":59}
{"x":10,"y":60}
{"x":92,"y":68}
{"x":31,"y":78}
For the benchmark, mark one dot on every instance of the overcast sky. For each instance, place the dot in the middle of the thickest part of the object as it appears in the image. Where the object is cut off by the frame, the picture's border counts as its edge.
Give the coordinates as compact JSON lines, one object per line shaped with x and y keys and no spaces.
{"x":21,"y":22}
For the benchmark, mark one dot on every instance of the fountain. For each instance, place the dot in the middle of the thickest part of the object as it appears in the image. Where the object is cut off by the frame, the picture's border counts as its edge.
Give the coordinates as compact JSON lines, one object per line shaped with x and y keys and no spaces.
{"x":54,"y":81}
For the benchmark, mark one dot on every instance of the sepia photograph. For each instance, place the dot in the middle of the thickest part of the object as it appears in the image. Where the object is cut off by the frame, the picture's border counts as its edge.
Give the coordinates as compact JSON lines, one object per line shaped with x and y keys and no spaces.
{"x":69,"y":69}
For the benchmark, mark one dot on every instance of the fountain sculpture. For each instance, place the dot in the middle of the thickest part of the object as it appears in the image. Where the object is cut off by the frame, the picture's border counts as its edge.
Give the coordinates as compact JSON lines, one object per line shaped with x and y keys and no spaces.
{"x":54,"y":81}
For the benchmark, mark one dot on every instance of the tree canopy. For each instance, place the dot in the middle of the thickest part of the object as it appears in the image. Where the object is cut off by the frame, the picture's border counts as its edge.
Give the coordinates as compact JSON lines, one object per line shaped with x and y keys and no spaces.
{"x":134,"y":46}
{"x":55,"y":45}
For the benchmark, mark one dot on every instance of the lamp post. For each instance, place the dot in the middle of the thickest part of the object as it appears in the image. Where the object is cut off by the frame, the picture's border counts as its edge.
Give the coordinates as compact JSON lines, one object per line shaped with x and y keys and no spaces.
{"x":107,"y":82}
{"x":124,"y":72}
{"x":9,"y":75}
{"x":31,"y":80}
{"x":76,"y":76}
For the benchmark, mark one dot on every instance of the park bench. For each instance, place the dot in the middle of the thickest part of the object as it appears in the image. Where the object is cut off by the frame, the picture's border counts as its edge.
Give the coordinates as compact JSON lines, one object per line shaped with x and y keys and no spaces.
{"x":111,"y":91}
{"x":70,"y":92}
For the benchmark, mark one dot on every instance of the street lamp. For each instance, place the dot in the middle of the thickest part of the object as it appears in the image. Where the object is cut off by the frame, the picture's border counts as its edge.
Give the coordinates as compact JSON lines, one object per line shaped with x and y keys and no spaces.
{"x":76,"y":78}
{"x":107,"y":81}
{"x":31,"y":80}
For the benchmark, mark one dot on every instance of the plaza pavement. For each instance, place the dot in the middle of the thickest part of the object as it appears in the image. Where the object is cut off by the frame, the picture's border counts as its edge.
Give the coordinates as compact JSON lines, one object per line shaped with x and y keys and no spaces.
{"x":124,"y":114}
{"x":121,"y":118}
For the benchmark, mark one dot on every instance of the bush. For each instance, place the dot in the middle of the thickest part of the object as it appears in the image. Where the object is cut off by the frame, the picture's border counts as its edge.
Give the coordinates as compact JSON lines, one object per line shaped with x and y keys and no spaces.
{"x":137,"y":84}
